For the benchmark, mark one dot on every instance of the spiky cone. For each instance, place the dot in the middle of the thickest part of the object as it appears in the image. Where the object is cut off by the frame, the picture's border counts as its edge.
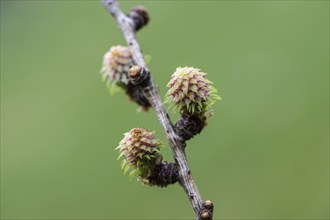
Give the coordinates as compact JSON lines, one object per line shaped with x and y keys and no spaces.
{"x":141,"y":152}
{"x":190,"y":91}
{"x":116,"y":64}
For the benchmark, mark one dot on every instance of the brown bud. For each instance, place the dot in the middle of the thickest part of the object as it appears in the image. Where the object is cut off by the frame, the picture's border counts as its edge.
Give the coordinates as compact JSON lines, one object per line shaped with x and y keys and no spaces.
{"x":140,"y":17}
{"x":162,"y":175}
{"x":190,"y":125}
{"x":208,"y":205}
{"x":135,"y":94}
{"x":139,"y":76}
{"x":135,"y":71}
{"x":205,"y":215}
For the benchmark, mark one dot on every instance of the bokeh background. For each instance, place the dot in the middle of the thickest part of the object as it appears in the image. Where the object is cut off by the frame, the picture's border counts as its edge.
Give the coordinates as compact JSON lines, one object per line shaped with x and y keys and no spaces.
{"x":264,"y":154}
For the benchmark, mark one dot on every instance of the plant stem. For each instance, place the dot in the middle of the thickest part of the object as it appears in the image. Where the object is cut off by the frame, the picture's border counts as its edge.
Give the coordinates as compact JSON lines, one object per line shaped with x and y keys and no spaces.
{"x":126,"y":26}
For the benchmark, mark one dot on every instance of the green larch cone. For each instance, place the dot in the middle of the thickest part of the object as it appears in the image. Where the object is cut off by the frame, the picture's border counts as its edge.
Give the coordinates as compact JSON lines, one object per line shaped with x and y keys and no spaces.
{"x":190,"y":91}
{"x":116,"y":64}
{"x":141,"y":152}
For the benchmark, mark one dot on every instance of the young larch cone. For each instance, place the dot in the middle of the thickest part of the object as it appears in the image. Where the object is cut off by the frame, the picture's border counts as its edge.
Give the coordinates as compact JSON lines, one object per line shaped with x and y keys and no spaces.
{"x":141,"y":152}
{"x":116,"y":64}
{"x":190,"y":91}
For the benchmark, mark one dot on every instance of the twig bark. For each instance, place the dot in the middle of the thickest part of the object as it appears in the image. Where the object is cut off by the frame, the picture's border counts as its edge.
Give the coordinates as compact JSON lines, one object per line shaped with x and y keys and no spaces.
{"x":150,"y":90}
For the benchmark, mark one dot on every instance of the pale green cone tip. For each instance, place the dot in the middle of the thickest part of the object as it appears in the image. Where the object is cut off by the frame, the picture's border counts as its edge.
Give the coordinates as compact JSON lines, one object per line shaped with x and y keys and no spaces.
{"x":190,"y":91}
{"x":116,"y":64}
{"x":140,"y":151}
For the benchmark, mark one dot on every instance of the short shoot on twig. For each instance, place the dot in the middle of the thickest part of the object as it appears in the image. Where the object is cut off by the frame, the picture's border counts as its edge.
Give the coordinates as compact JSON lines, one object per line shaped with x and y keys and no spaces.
{"x":190,"y":93}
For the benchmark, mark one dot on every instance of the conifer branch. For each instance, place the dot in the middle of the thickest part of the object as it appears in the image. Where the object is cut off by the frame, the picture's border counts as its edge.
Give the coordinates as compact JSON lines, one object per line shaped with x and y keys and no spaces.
{"x":140,"y":76}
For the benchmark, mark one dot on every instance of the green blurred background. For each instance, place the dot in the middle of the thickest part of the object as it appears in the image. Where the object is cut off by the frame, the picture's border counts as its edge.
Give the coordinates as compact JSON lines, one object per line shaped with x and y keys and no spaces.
{"x":264,"y":154}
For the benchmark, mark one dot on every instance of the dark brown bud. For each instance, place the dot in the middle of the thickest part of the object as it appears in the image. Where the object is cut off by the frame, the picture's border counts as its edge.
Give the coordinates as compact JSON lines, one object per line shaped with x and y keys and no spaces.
{"x":135,"y":93}
{"x":139,"y":76}
{"x":162,"y":175}
{"x":208,"y":205}
{"x":190,"y":125}
{"x":135,"y":71}
{"x":205,"y":215}
{"x":140,"y":17}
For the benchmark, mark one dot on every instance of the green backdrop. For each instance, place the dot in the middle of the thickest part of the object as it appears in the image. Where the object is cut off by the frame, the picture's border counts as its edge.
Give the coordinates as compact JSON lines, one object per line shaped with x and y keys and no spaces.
{"x":264,"y":154}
